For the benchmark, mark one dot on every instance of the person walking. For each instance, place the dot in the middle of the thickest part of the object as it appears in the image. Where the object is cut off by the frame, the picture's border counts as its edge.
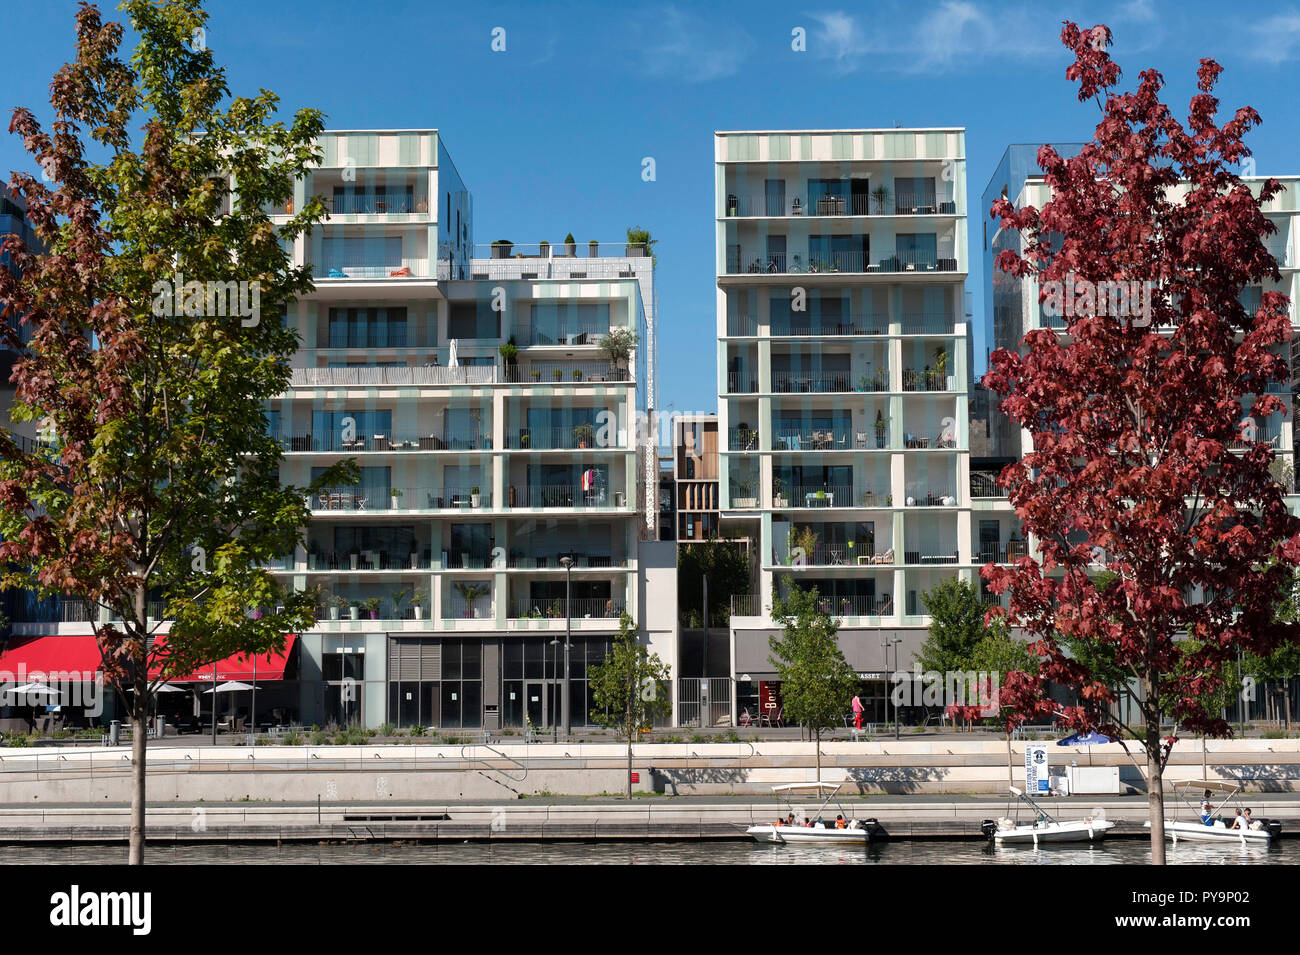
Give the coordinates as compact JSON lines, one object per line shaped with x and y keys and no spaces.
{"x":857,"y":712}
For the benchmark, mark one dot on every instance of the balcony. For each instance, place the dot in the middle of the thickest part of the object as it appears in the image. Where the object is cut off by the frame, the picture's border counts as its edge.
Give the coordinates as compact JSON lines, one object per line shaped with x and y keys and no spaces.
{"x":923,"y":380}
{"x":562,"y":372}
{"x":372,"y":203}
{"x":742,"y":439}
{"x":745,"y":206}
{"x":859,"y":325}
{"x":856,"y":606}
{"x":930,"y":497}
{"x":984,"y":484}
{"x":523,"y":560}
{"x":1004,"y":552}
{"x":377,"y":376}
{"x":812,"y":440}
{"x":820,"y":495}
{"x":922,"y":204}
{"x":934,"y":554}
{"x":587,"y":608}
{"x":564,"y":496}
{"x":753,"y":262}
{"x":915,"y":441}
{"x":741,"y":383}
{"x":785,"y":382}
{"x":362,"y":499}
{"x":332,"y":442}
{"x":929,"y":325}
{"x":407,"y":269}
{"x":746,"y":605}
{"x":580,"y":437}
{"x":357,"y":561}
{"x":569,"y":336}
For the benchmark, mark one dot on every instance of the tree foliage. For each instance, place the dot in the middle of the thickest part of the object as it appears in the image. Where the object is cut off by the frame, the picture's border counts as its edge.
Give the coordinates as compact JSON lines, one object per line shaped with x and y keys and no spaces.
{"x":817,"y":683}
{"x":628,"y":688}
{"x":726,"y":567}
{"x":159,"y":481}
{"x":1135,"y":415}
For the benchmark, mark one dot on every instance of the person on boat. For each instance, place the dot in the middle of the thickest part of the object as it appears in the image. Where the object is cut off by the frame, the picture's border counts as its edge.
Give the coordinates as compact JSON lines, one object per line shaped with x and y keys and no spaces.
{"x":1237,"y":823}
{"x":1207,"y":816}
{"x":839,"y":821}
{"x":789,"y":820}
{"x":1248,"y":821}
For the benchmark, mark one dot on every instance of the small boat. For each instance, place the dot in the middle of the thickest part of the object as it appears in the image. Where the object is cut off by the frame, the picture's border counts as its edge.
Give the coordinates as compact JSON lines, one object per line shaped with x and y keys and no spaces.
{"x":1199,"y":795}
{"x":1045,"y":829}
{"x":823,"y":831}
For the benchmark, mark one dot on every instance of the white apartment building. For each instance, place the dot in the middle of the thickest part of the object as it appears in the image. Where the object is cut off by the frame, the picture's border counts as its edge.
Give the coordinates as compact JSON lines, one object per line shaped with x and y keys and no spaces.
{"x":842,"y":326}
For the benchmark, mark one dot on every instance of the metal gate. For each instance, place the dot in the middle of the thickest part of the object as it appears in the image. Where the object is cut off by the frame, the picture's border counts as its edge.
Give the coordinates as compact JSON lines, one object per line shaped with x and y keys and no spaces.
{"x":709,"y":697}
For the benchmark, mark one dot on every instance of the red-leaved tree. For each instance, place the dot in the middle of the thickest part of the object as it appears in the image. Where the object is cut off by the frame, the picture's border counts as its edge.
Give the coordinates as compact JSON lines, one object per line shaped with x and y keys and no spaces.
{"x":1163,"y":540}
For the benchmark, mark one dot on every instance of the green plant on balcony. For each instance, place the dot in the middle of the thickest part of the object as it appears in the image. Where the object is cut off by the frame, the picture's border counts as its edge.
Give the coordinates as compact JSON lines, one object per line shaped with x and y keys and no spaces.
{"x":475,"y":497}
{"x":618,"y":345}
{"x":640,"y":243}
{"x":371,"y":606}
{"x":471,"y":592}
{"x":802,"y":544}
{"x":570,"y":246}
{"x":577,"y":374}
{"x":509,"y":353}
{"x":941,"y":360}
{"x":778,"y":492}
{"x":398,"y":597}
{"x":880,"y":196}
{"x":557,"y":374}
{"x":537,"y":374}
{"x":584,"y":434}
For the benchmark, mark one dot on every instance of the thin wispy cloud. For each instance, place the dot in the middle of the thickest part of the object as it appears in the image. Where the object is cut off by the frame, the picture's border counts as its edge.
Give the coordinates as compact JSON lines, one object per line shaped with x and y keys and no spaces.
{"x":688,"y":48}
{"x":838,"y":38}
{"x":1277,"y":39}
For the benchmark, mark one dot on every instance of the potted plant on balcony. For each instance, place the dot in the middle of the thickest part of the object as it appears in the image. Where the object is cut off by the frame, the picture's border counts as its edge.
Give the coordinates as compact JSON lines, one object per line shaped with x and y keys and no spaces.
{"x":371,"y":606}
{"x":501,"y":248}
{"x":354,"y":610}
{"x":639,"y":243}
{"x":880,"y":196}
{"x":778,"y":493}
{"x":417,"y":603}
{"x":617,"y":346}
{"x":510,"y":357}
{"x":354,"y":556}
{"x":475,"y":496}
{"x":545,"y":249}
{"x":593,"y":248}
{"x":336,"y":605}
{"x":537,"y":374}
{"x":399,"y":596}
{"x":557,"y":374}
{"x":470,"y":593}
{"x":415,"y":557}
{"x":577,"y":374}
{"x":395,"y":499}
{"x":941,"y":364}
{"x":584,"y":434}
{"x":570,"y":246}
{"x":882,"y":429}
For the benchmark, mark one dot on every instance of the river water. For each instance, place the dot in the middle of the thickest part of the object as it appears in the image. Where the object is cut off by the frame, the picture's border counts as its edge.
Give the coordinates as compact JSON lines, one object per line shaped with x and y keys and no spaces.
{"x":681,"y":852}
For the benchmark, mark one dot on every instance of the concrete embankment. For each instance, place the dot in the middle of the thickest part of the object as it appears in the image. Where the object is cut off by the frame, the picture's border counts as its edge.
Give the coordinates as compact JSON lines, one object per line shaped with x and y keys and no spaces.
{"x":938,"y":788}
{"x":303,"y":774}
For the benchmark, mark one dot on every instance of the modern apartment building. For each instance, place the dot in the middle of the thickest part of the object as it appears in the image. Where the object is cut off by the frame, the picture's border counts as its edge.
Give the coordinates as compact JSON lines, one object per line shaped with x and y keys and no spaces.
{"x":695,"y":477}
{"x":843,"y":375}
{"x":501,"y":488}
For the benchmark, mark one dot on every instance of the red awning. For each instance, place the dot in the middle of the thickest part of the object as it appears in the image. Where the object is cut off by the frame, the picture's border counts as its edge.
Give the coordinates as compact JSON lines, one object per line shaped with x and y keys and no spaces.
{"x":266,"y":666}
{"x":31,"y":658}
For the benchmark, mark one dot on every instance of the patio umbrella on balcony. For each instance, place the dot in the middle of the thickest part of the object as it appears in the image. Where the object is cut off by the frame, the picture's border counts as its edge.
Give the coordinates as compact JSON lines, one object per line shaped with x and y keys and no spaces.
{"x":453,"y":361}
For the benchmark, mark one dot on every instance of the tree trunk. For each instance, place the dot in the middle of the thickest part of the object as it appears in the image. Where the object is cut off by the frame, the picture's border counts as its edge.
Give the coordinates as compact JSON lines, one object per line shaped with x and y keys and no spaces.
{"x":139,"y":728}
{"x":1155,"y":791}
{"x":818,"y":746}
{"x":629,"y":762}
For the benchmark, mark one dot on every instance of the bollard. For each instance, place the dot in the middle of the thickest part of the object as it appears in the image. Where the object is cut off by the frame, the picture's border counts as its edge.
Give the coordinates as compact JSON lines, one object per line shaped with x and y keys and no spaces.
{"x":114,"y":732}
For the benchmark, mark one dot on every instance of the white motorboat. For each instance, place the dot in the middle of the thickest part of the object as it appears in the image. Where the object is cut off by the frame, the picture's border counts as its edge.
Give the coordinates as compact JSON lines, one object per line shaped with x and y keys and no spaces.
{"x":1045,"y":829}
{"x":1211,"y":826}
{"x":814,"y":827}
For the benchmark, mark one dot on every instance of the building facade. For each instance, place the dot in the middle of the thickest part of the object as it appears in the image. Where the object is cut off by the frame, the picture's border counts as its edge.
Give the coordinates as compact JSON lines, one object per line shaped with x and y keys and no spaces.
{"x":843,"y":385}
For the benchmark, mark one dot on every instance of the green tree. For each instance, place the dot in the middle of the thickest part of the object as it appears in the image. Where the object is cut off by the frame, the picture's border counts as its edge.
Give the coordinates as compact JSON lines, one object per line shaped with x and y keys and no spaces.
{"x":956,"y":626}
{"x":627,"y":688}
{"x":725,"y":565}
{"x":159,"y":481}
{"x":817,"y":683}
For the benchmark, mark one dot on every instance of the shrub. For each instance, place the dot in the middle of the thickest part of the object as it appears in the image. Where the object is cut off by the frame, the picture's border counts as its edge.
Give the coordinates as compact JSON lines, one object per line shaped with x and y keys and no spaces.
{"x":386,"y":729}
{"x":317,"y":737}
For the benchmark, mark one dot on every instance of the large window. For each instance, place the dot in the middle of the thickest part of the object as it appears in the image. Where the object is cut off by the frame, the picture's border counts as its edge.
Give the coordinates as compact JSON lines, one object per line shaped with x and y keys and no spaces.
{"x":568,"y":323}
{"x":473,"y":320}
{"x":367,"y":328}
{"x":434,"y":682}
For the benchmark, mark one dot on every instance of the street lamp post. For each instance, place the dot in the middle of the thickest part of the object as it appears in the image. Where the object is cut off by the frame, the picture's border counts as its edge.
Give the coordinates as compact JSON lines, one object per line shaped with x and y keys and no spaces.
{"x":566,"y":561}
{"x":551,"y":692}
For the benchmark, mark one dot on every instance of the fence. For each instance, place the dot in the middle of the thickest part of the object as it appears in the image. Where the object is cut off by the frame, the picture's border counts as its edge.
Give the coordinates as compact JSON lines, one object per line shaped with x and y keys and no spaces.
{"x":704,"y":701}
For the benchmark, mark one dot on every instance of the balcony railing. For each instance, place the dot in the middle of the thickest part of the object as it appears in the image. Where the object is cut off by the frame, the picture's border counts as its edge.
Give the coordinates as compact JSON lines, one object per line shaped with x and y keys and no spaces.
{"x":551,"y":561}
{"x":984,"y":484}
{"x":784,"y":382}
{"x":934,"y":555}
{"x":746,"y":605}
{"x":367,"y":376}
{"x":820,"y":495}
{"x":568,"y":337}
{"x":863,"y":325}
{"x":326,"y":442}
{"x":1262,"y":434}
{"x":455,"y":607}
{"x":576,"y":438}
{"x":913,"y":441}
{"x":812,"y":440}
{"x":930,"y":497}
{"x":562,"y":372}
{"x":369,"y":203}
{"x":563,"y":495}
{"x":755,"y":262}
{"x":861,"y":553}
{"x":742,"y":439}
{"x":922,"y":204}
{"x":928,"y":325}
{"x":399,"y":499}
{"x":914,"y":380}
{"x":744,"y":325}
{"x":411,"y":269}
{"x":542,"y":608}
{"x":856,"y":606}
{"x":1001,"y":553}
{"x":330,"y":560}
{"x":741,"y":383}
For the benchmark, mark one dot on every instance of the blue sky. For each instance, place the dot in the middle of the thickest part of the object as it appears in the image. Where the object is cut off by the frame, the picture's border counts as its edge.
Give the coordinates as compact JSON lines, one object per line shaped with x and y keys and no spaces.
{"x":550,"y":134}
